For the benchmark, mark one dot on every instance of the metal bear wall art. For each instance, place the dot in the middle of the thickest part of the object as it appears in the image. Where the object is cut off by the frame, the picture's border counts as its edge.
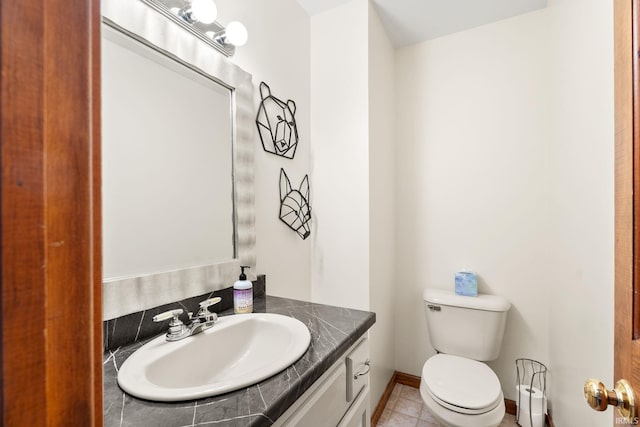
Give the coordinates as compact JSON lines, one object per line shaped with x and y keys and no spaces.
{"x":295,"y":210}
{"x":277,"y":124}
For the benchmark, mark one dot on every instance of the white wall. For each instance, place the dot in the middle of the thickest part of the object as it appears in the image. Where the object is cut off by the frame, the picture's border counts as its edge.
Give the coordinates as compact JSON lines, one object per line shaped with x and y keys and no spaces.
{"x":505,"y":166}
{"x":340,"y":156}
{"x":352,"y":93}
{"x":382,"y":260}
{"x":330,"y":65}
{"x":582,"y":201}
{"x":472,"y":168}
{"x":277,"y":52}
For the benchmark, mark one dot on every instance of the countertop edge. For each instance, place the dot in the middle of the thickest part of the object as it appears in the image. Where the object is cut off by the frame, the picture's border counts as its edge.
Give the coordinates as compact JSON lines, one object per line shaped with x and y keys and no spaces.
{"x":310,"y":377}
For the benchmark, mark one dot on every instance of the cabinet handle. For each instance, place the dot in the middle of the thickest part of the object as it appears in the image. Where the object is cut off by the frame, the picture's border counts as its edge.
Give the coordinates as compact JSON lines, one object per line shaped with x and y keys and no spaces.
{"x":365,"y":372}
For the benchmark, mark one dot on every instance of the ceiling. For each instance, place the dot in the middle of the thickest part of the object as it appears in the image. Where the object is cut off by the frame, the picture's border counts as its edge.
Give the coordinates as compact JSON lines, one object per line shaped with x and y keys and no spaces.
{"x":412,"y":21}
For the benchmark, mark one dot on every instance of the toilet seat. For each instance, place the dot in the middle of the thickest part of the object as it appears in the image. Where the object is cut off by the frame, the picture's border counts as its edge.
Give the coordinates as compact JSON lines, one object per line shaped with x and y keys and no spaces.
{"x":461,"y":385}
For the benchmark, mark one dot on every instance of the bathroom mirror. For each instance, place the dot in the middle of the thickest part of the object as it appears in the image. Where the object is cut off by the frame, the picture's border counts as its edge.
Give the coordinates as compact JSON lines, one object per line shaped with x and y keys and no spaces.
{"x":178,"y":214}
{"x":167,"y":193}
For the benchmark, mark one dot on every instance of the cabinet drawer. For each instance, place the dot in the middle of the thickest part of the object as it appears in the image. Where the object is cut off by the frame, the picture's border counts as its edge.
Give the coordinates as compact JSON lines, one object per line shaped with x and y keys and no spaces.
{"x":327,"y":403}
{"x":358,"y":366}
{"x":326,"y":406}
{"x":358,"y":414}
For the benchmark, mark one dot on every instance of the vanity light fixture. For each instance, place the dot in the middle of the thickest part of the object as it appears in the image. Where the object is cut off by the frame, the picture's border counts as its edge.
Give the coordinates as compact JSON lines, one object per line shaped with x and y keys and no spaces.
{"x":204,"y":11}
{"x":199,"y":18}
{"x":235,"y":34}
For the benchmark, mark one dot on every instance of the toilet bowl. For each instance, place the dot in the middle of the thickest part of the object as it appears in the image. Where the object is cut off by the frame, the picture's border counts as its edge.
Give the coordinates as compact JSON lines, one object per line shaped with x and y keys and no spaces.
{"x":458,"y":389}
{"x":461,"y":392}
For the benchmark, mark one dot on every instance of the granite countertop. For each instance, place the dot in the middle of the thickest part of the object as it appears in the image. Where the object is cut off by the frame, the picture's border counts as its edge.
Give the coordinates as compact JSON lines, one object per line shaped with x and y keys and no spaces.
{"x":333,"y":330}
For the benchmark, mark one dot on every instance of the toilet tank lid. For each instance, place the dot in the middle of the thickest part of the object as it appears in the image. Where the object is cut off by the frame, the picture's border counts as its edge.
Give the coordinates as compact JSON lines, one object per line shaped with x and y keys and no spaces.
{"x":481,"y":302}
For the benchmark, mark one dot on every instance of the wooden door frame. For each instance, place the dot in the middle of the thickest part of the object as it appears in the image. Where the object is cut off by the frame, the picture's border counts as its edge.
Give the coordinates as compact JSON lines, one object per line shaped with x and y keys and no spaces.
{"x":627,"y":135}
{"x":50,"y":213}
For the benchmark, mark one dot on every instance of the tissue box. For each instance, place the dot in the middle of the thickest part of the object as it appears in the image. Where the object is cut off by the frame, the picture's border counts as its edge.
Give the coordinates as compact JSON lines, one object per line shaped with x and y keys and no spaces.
{"x":466,"y":284}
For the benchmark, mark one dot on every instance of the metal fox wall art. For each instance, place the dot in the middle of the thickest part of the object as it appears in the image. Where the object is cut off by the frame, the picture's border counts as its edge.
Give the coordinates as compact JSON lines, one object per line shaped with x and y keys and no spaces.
{"x":295,"y":210}
{"x":277,"y":124}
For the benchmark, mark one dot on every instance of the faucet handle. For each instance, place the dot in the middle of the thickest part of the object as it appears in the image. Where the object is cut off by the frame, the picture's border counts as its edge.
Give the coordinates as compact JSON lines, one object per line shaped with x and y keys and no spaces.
{"x":204,"y":314}
{"x":177,"y":329}
{"x":204,"y":305}
{"x":171,"y":314}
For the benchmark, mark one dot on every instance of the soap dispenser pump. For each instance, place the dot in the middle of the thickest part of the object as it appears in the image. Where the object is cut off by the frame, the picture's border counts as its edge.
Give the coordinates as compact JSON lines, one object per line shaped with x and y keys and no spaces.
{"x":243,"y":294}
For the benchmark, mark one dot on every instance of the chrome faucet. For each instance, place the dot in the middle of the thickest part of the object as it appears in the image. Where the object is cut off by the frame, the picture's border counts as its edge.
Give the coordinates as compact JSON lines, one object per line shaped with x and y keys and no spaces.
{"x":202,"y":321}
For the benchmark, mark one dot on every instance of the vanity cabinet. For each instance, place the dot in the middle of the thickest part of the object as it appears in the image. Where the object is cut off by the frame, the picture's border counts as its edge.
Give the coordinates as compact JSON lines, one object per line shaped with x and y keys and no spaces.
{"x":340,"y":397}
{"x":358,"y":415}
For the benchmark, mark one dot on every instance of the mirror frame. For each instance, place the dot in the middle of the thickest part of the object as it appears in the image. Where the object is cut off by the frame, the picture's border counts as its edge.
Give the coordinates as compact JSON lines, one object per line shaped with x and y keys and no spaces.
{"x":123,"y":296}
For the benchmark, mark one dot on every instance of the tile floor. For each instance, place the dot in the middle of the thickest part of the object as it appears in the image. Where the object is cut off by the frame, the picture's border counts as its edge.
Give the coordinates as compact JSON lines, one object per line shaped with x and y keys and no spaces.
{"x":405,"y":409}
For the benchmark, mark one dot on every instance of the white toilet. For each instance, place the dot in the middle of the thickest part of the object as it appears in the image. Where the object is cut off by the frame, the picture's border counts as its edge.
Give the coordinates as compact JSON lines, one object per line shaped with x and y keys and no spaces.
{"x":457,"y":387}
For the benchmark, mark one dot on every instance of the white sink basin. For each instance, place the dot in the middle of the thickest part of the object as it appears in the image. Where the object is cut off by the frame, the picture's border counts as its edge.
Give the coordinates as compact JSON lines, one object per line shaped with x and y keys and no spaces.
{"x":236,"y":352}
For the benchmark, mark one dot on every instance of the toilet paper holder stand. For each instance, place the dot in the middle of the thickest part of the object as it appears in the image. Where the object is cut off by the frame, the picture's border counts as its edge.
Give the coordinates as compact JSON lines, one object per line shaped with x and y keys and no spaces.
{"x":531,"y":378}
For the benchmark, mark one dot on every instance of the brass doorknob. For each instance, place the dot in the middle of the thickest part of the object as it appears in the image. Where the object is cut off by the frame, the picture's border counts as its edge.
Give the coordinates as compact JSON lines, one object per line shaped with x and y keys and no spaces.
{"x":622,"y":397}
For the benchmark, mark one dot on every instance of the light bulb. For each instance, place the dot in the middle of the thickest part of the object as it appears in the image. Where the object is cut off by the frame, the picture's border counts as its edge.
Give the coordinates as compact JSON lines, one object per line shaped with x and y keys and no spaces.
{"x":204,"y":11}
{"x":236,"y":33}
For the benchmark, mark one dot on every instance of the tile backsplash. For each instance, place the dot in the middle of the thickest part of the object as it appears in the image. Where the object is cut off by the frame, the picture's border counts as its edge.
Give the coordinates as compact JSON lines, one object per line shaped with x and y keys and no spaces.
{"x":140,"y":326}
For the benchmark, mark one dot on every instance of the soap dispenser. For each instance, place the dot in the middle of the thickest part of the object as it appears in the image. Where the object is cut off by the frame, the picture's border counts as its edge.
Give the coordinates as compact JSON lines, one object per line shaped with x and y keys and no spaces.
{"x":243,"y":294}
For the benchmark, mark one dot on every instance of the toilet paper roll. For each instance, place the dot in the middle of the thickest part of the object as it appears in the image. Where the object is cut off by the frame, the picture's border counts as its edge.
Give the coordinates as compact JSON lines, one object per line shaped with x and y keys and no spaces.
{"x":532,"y":406}
{"x":526,"y":420}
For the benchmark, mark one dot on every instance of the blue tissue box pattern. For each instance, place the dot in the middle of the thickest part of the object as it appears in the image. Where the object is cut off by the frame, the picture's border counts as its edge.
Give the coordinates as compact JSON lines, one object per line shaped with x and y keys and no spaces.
{"x":466,"y":284}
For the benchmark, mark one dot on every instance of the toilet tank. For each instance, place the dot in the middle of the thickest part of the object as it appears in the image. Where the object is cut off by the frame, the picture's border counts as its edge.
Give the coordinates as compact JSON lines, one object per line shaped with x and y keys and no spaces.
{"x":470,"y":327}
